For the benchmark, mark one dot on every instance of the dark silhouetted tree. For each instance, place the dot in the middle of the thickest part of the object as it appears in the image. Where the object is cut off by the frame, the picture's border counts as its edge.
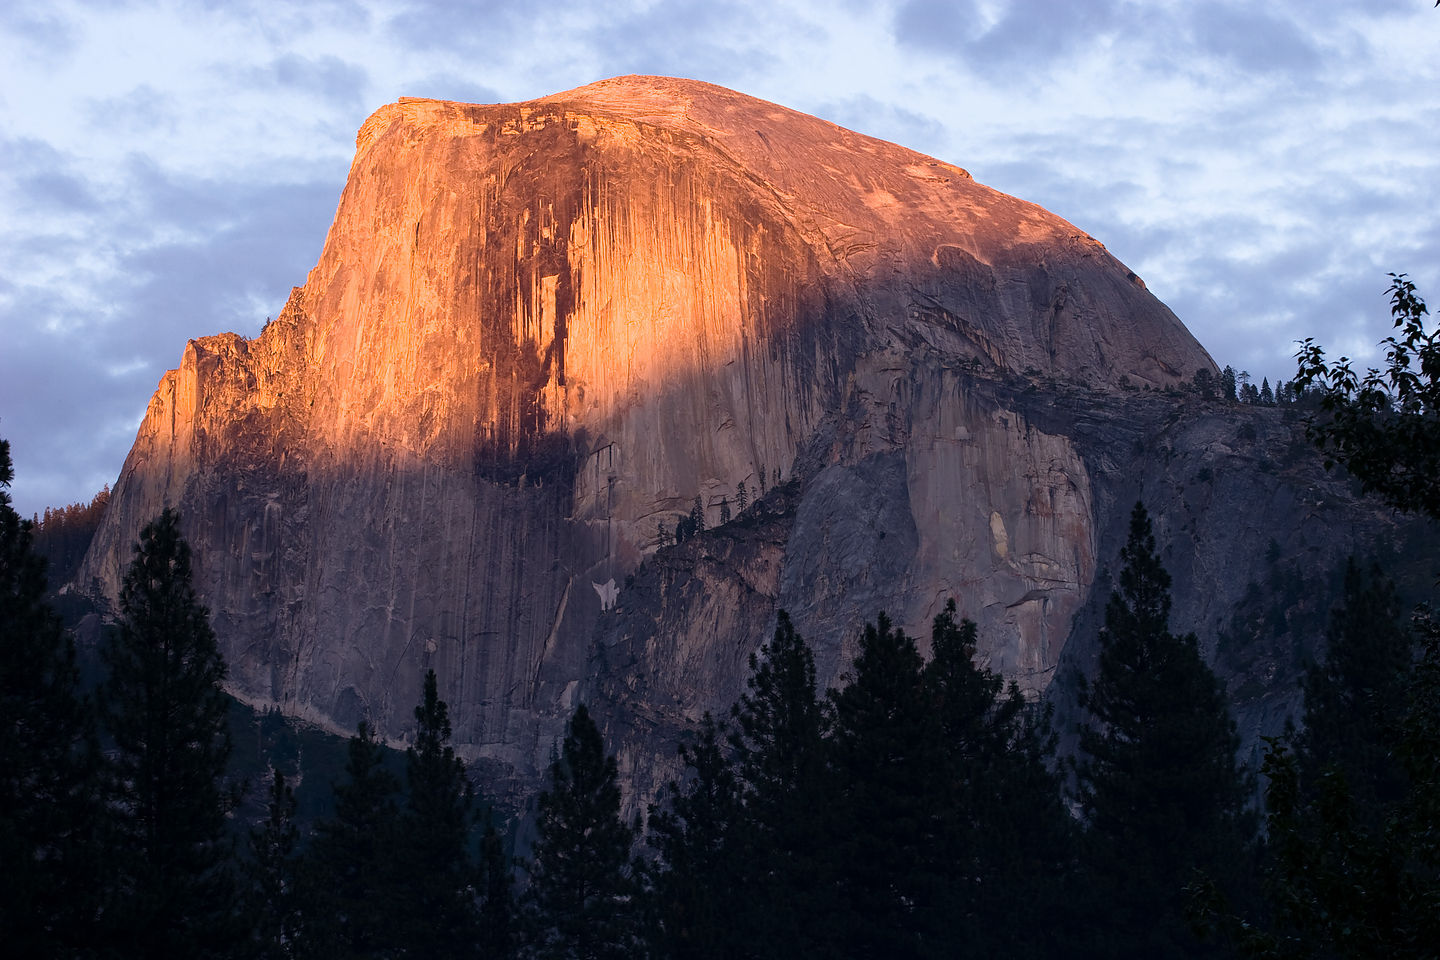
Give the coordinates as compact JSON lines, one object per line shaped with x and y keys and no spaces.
{"x":582,"y":903}
{"x":1227,"y":383}
{"x":1007,"y":843}
{"x":1355,"y":698}
{"x":787,"y":900}
{"x":1384,"y":427}
{"x":1266,"y":396}
{"x":47,"y":758}
{"x":351,"y":867}
{"x":698,"y":875}
{"x":164,"y":707}
{"x":886,"y":752}
{"x":742,"y":496}
{"x":1353,"y":867}
{"x":1158,"y":785}
{"x":1351,"y":871}
{"x":273,"y":907}
{"x":724,"y":510}
{"x":436,"y":887}
{"x":1204,"y":382}
{"x":497,"y":925}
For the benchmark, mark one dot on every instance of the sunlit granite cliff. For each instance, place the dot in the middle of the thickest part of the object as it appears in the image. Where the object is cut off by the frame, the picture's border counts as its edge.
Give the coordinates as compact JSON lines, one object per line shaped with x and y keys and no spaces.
{"x":538,"y":331}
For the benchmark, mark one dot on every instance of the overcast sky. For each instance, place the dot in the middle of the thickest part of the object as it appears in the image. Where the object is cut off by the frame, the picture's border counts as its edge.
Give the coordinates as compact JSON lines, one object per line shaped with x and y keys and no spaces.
{"x":168,"y":170}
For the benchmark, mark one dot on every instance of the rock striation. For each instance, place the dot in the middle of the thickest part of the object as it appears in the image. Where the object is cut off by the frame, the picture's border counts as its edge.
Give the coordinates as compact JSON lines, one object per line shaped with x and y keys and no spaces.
{"x":537,"y":332}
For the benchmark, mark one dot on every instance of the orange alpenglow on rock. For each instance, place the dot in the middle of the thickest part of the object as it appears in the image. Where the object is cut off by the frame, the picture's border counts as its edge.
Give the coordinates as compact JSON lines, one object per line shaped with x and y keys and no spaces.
{"x":538,"y":330}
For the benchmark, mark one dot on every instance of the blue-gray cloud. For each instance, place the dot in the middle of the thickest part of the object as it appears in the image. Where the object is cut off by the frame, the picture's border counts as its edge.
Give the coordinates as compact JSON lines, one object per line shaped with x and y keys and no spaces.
{"x":480,"y":27}
{"x":1253,"y":38}
{"x":1033,"y":37}
{"x":44,"y":33}
{"x":447,"y":86}
{"x":174,"y":257}
{"x":141,"y":110}
{"x":286,"y":20}
{"x":1029,"y":33}
{"x":327,"y":78}
{"x":723,"y":42}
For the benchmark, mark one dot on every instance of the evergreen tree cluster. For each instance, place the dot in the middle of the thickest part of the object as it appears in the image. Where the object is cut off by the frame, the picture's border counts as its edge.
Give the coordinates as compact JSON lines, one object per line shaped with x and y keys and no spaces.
{"x":48,"y":754}
{"x":1159,"y":789}
{"x":1352,"y":831}
{"x":919,"y":809}
{"x":1235,"y":387}
{"x":692,"y":524}
{"x":115,"y":809}
{"x":63,"y":534}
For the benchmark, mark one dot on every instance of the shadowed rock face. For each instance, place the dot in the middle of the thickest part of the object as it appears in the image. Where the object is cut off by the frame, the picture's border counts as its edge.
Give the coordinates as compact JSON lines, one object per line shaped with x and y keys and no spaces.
{"x":538,"y":331}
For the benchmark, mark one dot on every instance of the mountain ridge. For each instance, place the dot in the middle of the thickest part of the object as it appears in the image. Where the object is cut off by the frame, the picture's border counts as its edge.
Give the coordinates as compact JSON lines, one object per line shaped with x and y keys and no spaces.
{"x":537,"y":333}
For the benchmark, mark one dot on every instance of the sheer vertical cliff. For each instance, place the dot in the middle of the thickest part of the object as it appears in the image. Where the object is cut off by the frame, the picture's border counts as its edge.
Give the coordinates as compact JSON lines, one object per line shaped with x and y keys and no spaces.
{"x":538,"y":331}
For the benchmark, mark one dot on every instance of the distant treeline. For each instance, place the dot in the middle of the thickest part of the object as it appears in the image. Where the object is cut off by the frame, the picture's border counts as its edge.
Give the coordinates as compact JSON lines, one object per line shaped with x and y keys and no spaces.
{"x":63,"y":534}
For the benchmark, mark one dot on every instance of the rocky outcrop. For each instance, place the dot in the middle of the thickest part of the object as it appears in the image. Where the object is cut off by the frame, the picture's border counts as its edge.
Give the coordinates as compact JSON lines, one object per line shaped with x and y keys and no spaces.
{"x":538,"y":331}
{"x":1016,"y":502}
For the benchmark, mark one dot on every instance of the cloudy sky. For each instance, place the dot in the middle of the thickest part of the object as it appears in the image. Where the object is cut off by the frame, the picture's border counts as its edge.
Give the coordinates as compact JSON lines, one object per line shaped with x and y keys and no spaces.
{"x":168,"y":169}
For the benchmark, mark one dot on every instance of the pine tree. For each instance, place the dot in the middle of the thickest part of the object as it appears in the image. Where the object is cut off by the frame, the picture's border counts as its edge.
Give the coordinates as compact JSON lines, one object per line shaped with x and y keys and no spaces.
{"x":582,"y":903}
{"x":886,"y":756}
{"x":274,"y":910}
{"x":164,"y":707}
{"x":497,"y":924}
{"x":351,"y":869}
{"x":436,"y":884}
{"x":1414,"y":825}
{"x":1227,"y":383}
{"x":697,"y":517}
{"x":724,"y":510}
{"x":698,"y":871}
{"x":786,"y":901}
{"x":1159,"y":788}
{"x":1342,"y":851}
{"x":47,"y":757}
{"x":1355,"y":699}
{"x":1006,"y":838}
{"x":1266,"y":396}
{"x":742,"y":495}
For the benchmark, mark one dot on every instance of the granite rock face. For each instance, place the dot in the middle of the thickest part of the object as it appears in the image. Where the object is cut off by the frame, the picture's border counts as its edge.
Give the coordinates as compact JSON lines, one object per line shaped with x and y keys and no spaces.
{"x":538,"y":331}
{"x":1250,"y":526}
